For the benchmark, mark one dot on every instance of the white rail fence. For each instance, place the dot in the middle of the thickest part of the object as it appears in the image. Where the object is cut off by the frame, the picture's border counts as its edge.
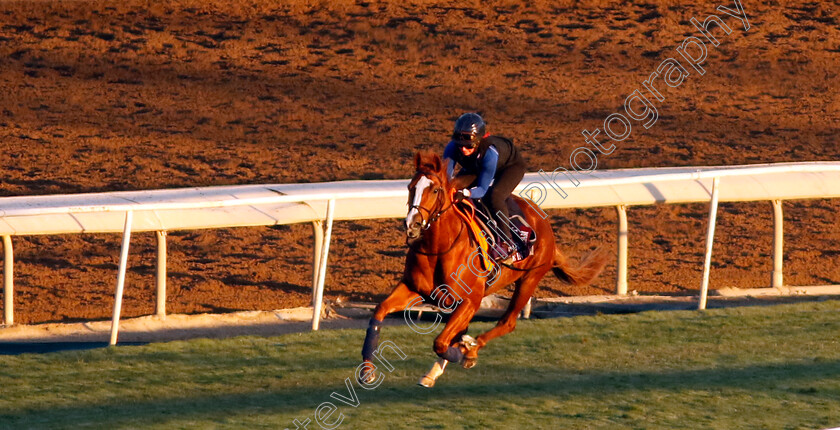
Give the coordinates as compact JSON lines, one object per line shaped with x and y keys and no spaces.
{"x":323,"y":203}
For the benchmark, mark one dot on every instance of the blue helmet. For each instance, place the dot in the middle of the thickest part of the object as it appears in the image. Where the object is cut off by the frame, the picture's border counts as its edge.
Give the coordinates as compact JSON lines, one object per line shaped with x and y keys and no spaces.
{"x":469,"y":129}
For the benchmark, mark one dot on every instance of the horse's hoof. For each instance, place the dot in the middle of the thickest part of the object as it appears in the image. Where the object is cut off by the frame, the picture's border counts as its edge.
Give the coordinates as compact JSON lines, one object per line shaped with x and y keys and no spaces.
{"x":469,"y":362}
{"x":426,"y":382}
{"x":368,"y":375}
{"x":470,"y":346}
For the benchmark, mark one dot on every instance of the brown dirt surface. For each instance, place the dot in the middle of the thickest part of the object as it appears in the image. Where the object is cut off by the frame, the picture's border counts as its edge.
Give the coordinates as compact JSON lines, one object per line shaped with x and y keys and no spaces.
{"x":131,"y":95}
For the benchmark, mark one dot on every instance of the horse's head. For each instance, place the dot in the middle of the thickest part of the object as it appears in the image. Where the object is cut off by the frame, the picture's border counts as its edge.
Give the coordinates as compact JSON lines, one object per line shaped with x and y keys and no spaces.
{"x":428,"y":194}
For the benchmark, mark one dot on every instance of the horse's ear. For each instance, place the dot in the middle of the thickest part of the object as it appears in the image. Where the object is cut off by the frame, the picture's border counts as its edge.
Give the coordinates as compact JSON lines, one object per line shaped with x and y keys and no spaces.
{"x":418,"y":158}
{"x":437,"y":162}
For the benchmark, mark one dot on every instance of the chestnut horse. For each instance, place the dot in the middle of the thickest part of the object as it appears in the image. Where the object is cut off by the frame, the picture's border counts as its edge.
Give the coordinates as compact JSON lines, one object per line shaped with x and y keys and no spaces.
{"x":440,"y":246}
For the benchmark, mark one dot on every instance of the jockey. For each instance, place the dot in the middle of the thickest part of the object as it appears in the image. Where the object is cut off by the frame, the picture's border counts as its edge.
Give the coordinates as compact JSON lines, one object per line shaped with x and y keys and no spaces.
{"x":498,"y":168}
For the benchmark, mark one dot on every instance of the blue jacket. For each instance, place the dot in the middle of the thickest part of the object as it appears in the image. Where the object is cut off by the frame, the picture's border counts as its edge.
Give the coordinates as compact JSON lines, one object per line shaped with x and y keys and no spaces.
{"x":483,"y":163}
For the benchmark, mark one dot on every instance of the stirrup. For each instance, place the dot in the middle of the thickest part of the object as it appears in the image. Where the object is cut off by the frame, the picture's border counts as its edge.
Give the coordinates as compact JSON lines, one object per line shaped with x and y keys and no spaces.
{"x":506,"y":254}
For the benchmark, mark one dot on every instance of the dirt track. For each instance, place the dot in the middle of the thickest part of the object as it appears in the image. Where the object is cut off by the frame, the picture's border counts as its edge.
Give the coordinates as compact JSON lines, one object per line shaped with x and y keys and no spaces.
{"x":133,"y":95}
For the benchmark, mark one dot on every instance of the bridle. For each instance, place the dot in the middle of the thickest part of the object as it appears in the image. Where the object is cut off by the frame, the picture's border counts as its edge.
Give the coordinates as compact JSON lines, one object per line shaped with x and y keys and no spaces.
{"x":429,"y":216}
{"x":437,"y":210}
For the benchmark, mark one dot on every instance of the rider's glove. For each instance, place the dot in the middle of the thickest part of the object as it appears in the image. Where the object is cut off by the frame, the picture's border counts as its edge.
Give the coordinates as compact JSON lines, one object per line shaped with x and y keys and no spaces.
{"x":461,"y":195}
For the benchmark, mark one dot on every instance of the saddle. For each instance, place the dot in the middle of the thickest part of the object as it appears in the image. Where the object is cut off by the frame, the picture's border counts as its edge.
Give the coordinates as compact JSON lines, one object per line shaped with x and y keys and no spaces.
{"x":486,"y":224}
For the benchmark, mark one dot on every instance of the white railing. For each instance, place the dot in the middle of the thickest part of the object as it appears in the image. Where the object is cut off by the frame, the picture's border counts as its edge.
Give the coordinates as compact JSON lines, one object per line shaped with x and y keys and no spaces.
{"x":251,"y":205}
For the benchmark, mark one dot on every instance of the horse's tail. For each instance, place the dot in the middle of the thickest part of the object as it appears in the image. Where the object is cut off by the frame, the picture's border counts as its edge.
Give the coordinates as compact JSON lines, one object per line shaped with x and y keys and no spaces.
{"x":590,"y":266}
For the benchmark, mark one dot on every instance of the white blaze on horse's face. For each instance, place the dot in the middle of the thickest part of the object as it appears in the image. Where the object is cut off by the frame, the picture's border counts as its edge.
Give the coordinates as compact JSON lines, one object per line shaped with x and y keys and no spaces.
{"x":419,"y":188}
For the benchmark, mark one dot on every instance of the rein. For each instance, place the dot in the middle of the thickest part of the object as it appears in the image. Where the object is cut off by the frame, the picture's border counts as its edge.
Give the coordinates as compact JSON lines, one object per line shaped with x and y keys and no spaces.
{"x":454,"y":241}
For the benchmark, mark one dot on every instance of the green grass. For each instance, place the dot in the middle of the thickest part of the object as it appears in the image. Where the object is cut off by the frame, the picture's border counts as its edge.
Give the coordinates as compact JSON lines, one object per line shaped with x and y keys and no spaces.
{"x":769,"y":367}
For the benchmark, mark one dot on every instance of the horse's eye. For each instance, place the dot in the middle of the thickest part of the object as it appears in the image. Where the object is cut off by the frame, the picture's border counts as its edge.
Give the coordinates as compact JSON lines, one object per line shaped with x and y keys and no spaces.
{"x":436,"y":190}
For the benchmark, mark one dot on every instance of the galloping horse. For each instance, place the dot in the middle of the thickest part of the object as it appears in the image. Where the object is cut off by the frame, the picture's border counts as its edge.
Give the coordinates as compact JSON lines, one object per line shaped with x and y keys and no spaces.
{"x":440,"y":247}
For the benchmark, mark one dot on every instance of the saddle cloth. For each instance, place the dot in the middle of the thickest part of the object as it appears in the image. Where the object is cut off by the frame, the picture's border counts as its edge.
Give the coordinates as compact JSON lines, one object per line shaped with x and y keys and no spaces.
{"x":491,"y":232}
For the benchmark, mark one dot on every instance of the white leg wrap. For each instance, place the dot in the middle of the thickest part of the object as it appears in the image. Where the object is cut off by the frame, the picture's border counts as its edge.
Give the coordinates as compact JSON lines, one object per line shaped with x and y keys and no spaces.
{"x":428,"y":381}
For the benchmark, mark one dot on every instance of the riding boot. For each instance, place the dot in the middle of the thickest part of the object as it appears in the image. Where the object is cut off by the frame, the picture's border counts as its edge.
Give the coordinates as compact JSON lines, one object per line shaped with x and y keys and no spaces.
{"x":510,"y":241}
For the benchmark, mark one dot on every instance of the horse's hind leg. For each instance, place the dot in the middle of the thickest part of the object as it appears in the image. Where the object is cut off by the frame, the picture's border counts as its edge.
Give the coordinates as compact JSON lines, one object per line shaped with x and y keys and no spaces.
{"x":525,"y":287}
{"x":428,"y":380}
{"x":397,"y":301}
{"x":439,"y":366}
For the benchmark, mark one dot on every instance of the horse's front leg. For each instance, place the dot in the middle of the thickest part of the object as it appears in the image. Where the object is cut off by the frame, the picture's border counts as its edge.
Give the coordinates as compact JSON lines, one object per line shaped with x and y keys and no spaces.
{"x":397,"y":301}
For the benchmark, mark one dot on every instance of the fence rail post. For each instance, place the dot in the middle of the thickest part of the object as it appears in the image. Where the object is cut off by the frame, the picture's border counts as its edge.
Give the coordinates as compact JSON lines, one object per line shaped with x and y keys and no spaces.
{"x":160,"y":279}
{"x":621,"y":251}
{"x":778,"y":244}
{"x":318,"y":243}
{"x":710,"y":239}
{"x":322,"y":268}
{"x":8,"y":281}
{"x":118,"y":295}
{"x":526,"y":311}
